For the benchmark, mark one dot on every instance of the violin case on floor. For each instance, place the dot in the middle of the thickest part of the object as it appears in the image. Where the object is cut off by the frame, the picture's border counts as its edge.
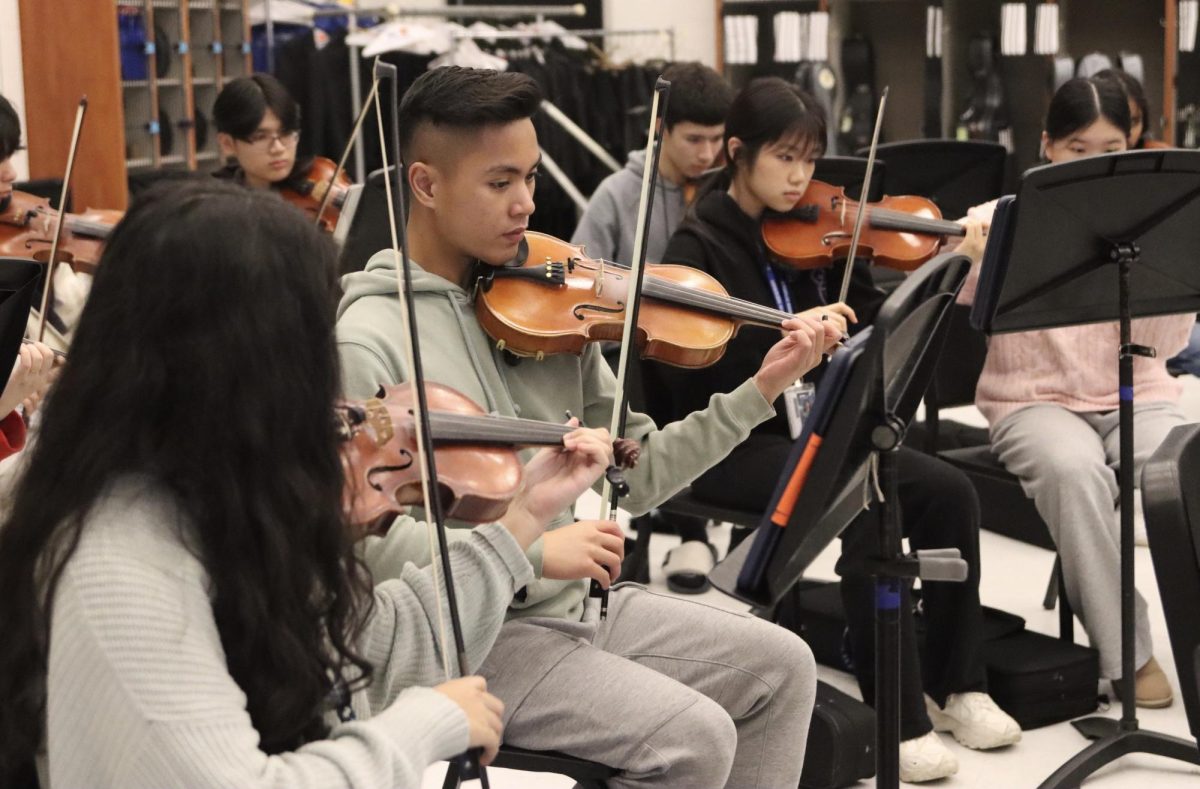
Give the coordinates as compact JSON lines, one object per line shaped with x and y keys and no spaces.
{"x":841,"y":741}
{"x":1037,"y":679}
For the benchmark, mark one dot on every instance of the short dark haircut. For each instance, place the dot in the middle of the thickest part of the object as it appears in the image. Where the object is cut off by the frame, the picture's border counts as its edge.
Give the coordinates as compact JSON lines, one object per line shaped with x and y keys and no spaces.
{"x":1133,"y":92}
{"x":10,"y":129}
{"x":243,"y":102}
{"x":465,"y":99}
{"x":770,"y":110}
{"x":1080,"y":102}
{"x":698,"y":95}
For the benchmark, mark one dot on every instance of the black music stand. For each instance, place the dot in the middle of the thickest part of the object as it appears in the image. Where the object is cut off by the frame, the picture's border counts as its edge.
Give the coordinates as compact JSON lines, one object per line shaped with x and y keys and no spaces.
{"x":863,"y":407}
{"x":1064,"y":252}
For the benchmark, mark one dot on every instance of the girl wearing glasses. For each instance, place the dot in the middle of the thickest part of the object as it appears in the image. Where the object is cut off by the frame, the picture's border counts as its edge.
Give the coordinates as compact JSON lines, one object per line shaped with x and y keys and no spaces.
{"x":258,"y":129}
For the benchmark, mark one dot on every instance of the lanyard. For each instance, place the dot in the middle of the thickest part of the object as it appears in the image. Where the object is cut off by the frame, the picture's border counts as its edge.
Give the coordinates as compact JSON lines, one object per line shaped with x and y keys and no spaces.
{"x":779,"y":290}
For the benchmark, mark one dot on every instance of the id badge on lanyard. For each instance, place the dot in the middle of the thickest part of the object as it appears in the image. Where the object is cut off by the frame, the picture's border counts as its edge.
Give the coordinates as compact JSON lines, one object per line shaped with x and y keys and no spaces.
{"x":797,"y":398}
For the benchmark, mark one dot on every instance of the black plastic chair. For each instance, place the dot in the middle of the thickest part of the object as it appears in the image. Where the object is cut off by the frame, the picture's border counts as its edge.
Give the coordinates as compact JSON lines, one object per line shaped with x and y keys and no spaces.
{"x":1171,"y":503}
{"x":587,"y":775}
{"x":954,"y":174}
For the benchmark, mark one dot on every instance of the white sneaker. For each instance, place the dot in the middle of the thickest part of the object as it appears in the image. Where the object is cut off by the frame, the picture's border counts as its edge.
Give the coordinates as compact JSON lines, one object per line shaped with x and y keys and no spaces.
{"x":974,"y":720}
{"x":926,"y":758}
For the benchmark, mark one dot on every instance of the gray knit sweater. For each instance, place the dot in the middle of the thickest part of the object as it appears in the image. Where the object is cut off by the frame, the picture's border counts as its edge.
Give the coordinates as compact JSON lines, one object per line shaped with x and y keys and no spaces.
{"x":139,"y":692}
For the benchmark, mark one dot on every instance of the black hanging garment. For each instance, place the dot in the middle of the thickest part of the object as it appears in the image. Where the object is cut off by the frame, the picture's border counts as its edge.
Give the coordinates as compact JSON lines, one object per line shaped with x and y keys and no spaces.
{"x":858,"y":74}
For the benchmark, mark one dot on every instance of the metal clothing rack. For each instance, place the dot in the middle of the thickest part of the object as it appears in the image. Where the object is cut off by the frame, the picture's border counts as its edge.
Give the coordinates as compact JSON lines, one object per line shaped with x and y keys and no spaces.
{"x":392,"y":11}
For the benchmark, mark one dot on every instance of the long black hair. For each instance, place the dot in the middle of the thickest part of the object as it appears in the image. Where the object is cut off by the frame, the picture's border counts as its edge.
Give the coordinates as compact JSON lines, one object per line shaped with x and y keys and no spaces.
{"x":1133,"y":92}
{"x":1081,"y":101}
{"x":204,"y":360}
{"x":243,"y":103}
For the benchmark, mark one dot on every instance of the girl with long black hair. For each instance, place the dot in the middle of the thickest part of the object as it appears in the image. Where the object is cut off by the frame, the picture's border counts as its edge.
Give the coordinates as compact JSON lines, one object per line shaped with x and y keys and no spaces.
{"x":180,"y":597}
{"x":773,"y":137}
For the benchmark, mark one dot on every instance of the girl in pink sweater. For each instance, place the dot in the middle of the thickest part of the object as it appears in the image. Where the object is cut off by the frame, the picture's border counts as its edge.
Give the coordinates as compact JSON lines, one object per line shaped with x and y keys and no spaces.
{"x":1050,"y":398}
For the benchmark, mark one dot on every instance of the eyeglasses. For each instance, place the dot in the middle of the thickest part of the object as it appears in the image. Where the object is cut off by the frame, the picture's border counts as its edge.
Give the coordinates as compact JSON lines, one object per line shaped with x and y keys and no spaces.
{"x":264,"y":140}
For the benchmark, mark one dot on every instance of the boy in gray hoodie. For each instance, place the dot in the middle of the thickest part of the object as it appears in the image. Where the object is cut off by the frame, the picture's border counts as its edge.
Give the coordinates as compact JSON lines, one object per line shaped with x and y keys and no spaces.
{"x":670,"y":692}
{"x":692,"y":139}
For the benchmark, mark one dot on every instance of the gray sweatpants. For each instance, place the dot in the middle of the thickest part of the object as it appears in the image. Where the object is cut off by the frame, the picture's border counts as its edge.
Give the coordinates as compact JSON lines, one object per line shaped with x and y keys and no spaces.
{"x":1066,"y":461}
{"x":675,"y":693}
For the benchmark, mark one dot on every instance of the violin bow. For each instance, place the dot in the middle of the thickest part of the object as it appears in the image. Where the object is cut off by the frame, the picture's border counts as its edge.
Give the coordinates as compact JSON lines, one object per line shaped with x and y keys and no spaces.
{"x":62,"y":213}
{"x":341,"y":165}
{"x":469,"y":765}
{"x":863,"y":198}
{"x":633,"y":299}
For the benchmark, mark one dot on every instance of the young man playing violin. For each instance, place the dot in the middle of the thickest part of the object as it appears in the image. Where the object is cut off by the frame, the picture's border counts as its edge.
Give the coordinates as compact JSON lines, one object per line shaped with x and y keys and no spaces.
{"x":671,"y":693}
{"x":773,"y":137}
{"x":694,"y":127}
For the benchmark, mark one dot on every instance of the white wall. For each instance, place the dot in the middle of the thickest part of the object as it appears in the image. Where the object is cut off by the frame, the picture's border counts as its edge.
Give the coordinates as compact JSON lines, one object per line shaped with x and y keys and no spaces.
{"x":12,"y":84}
{"x":693,"y":21}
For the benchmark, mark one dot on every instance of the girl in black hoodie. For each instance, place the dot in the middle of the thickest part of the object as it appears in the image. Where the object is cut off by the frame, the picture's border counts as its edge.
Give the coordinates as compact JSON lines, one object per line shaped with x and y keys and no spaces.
{"x":773,"y":137}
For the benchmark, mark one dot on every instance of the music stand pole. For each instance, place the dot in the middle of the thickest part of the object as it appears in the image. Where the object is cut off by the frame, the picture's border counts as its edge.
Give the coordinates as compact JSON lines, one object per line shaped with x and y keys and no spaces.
{"x":1114,"y":739}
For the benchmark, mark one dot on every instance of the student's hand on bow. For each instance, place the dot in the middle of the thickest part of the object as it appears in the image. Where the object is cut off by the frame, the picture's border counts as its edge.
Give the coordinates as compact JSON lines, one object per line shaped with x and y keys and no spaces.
{"x":483,"y":711}
{"x":554,"y":478}
{"x":975,"y":241}
{"x":31,"y":376}
{"x":805,"y":341}
{"x":841,"y":313}
{"x":586,"y":549}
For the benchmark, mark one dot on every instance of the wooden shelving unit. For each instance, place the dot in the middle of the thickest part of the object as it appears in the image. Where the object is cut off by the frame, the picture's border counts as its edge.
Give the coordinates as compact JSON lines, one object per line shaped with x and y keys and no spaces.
{"x":158,"y":117}
{"x":897,"y":30}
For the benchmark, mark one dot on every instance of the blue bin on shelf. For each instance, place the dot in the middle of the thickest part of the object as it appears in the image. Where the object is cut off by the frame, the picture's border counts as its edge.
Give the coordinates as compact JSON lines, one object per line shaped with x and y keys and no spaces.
{"x":132,"y":31}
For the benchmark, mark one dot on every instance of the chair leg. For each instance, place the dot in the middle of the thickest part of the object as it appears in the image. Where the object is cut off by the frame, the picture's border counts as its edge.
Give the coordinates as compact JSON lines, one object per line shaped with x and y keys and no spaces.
{"x":636,"y":566}
{"x":1066,"y":617}
{"x":1052,"y":585}
{"x":453,"y":781}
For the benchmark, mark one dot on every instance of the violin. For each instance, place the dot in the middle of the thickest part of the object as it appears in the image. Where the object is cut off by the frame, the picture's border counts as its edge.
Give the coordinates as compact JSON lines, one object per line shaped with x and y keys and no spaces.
{"x":556,"y":299}
{"x":898,"y":232}
{"x":479,"y":471}
{"x":309,"y":192}
{"x":27,"y":231}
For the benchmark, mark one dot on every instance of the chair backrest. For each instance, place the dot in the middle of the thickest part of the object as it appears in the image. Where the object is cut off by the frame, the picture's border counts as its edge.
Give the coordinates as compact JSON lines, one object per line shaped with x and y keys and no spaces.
{"x":954,"y":174}
{"x":958,"y":369}
{"x":369,"y":230}
{"x":849,"y":172}
{"x":1171,"y":502}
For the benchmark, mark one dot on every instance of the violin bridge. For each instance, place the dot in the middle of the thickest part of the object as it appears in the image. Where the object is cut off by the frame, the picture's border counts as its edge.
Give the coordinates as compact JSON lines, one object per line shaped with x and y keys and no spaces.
{"x":380,"y":421}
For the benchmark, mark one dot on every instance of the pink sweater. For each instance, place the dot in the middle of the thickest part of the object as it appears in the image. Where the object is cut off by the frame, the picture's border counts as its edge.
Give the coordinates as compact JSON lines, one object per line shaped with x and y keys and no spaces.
{"x":1074,"y":366}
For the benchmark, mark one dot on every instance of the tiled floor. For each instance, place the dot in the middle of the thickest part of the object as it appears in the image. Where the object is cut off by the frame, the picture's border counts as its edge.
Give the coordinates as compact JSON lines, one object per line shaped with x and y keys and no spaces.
{"x":1014,"y":577}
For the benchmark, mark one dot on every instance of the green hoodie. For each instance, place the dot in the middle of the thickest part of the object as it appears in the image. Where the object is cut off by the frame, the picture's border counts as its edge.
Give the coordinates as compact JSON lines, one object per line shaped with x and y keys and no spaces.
{"x":457,"y":352}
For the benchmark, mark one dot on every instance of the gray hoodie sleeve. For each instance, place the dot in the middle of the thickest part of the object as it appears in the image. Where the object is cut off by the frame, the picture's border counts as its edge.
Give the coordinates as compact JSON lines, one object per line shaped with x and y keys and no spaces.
{"x":488,"y":568}
{"x":599,"y":229}
{"x":675,"y":455}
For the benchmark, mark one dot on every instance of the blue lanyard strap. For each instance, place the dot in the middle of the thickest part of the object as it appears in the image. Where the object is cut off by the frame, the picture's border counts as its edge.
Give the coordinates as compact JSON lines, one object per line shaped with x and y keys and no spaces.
{"x":779,"y":290}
